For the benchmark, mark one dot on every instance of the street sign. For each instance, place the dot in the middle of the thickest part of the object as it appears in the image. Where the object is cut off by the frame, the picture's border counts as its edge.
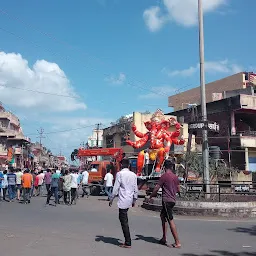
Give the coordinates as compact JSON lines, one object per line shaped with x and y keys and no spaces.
{"x":200,"y":125}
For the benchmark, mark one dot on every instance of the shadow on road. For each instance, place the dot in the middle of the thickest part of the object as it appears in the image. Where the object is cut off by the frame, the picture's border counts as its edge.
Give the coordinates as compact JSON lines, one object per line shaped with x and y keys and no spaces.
{"x":108,"y":240}
{"x":148,"y":239}
{"x":251,"y":231}
{"x":222,"y":253}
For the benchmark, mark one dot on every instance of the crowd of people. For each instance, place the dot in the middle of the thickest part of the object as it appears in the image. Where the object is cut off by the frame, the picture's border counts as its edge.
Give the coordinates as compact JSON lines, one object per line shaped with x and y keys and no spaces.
{"x":22,"y":185}
{"x":66,"y":184}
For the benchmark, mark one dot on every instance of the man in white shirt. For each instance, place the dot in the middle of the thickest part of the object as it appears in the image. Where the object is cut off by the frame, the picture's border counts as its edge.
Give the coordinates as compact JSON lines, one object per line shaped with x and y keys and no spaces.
{"x":108,"y":183}
{"x":85,"y":179}
{"x":74,"y":186}
{"x":146,"y":162}
{"x":126,"y":189}
{"x":18,"y":183}
{"x":40,"y":182}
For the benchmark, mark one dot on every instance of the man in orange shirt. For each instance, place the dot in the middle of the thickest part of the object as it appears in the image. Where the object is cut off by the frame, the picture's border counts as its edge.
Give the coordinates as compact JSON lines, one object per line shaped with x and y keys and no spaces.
{"x":27,"y":181}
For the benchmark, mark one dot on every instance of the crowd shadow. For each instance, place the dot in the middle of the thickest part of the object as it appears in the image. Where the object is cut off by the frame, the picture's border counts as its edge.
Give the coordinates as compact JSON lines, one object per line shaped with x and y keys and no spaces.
{"x":108,"y":240}
{"x":222,"y":253}
{"x":251,"y":231}
{"x":147,"y":239}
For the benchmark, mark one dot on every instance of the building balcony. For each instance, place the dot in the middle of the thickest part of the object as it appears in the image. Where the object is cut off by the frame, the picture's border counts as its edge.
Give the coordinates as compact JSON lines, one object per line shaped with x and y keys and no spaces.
{"x":3,"y":150}
{"x":247,"y":139}
{"x":2,"y":128}
{"x":10,"y":133}
{"x":11,"y":117}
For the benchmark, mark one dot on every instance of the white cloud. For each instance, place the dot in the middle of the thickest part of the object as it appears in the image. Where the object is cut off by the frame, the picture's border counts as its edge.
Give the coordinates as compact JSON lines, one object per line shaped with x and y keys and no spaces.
{"x":182,"y":12}
{"x":67,"y":133}
{"x":213,"y":67}
{"x":154,"y":18}
{"x":158,"y":92}
{"x":116,"y":80}
{"x":43,"y":76}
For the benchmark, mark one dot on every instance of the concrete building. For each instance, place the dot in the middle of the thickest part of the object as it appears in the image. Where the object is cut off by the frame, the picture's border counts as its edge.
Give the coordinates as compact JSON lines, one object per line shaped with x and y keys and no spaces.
{"x":41,"y":155}
{"x":96,"y":140}
{"x":236,"y":115}
{"x":11,"y":135}
{"x":214,"y":90}
{"x":115,"y":136}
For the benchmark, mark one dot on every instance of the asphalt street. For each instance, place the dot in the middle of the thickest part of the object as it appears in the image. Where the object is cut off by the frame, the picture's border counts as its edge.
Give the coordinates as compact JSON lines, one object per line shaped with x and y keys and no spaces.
{"x":92,"y":228}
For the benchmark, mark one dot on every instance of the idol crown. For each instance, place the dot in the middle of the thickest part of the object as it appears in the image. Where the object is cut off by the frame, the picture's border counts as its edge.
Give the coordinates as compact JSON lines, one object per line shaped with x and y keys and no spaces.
{"x":158,"y":116}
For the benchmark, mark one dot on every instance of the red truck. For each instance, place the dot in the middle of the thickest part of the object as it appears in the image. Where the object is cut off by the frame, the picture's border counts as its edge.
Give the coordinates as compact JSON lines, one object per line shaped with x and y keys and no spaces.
{"x":98,"y":169}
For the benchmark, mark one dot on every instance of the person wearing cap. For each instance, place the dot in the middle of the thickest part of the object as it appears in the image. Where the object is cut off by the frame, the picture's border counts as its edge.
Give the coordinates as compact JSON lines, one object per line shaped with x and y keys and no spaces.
{"x":169,"y":183}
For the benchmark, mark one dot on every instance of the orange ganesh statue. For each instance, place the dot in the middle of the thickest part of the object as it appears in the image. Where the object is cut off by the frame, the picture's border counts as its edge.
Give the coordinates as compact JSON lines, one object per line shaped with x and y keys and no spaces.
{"x":159,"y":138}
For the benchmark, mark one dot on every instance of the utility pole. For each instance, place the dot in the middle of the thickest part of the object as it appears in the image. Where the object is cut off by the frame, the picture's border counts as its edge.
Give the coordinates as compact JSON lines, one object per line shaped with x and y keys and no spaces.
{"x":97,"y":134}
{"x":41,"y":132}
{"x":203,"y":100}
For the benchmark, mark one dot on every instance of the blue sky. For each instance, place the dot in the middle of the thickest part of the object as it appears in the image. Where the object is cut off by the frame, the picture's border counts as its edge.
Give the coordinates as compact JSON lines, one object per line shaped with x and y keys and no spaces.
{"x":103,"y":52}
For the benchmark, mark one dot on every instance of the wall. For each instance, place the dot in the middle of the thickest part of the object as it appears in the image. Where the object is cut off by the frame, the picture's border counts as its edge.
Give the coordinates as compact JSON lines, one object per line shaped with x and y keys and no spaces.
{"x":248,"y":142}
{"x":248,"y":102}
{"x":249,"y":91}
{"x":193,"y":96}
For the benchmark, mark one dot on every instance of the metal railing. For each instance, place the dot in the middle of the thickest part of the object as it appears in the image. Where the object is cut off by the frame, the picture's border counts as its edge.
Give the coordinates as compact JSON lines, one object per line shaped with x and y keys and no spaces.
{"x":223,"y":191}
{"x":247,"y":133}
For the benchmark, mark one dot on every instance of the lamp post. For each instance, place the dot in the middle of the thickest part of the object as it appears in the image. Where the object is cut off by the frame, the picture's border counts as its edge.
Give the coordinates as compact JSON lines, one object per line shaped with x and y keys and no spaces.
{"x":203,"y":100}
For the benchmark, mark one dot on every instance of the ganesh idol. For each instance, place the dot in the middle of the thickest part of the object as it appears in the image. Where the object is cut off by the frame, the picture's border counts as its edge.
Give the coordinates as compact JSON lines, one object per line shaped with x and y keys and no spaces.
{"x":159,"y":139}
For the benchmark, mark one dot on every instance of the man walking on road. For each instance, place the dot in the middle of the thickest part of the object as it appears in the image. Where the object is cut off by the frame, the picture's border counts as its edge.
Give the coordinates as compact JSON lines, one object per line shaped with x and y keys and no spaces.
{"x":48,"y":180}
{"x":108,"y":183}
{"x":169,"y":183}
{"x":74,"y":186}
{"x":18,"y":183}
{"x":27,"y":180}
{"x":54,"y":188}
{"x":11,"y":177}
{"x":126,"y":190}
{"x":85,"y":179}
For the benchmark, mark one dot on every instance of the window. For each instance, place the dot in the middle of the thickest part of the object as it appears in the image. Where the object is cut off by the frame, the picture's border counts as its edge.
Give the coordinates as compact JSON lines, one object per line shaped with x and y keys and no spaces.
{"x":94,"y":168}
{"x":123,"y":140}
{"x":109,"y":142}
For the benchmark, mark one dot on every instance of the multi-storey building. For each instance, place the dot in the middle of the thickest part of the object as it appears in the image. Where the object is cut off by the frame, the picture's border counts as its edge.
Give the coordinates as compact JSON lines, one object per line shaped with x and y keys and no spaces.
{"x":214,"y":90}
{"x":235,"y":113}
{"x":11,"y":135}
{"x":96,"y":140}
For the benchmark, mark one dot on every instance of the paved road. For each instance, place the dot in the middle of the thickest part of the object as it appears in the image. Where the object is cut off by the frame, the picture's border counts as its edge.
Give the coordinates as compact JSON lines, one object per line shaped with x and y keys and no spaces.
{"x":92,"y":228}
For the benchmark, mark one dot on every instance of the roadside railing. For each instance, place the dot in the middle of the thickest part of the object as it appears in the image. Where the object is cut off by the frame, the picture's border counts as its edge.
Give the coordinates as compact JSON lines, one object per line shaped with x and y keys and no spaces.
{"x":223,"y":191}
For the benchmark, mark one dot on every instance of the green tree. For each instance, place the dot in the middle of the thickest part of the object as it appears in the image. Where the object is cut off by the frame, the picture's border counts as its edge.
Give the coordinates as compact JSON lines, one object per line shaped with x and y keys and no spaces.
{"x":217,"y":169}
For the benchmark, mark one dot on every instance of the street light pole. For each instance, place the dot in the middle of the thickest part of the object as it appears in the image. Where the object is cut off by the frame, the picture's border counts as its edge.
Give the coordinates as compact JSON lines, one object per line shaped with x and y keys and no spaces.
{"x":203,"y":99}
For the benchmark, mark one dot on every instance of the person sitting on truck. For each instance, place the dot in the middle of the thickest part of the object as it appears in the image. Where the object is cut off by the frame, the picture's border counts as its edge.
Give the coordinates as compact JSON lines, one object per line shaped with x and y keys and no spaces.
{"x":94,"y":168}
{"x":108,"y":183}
